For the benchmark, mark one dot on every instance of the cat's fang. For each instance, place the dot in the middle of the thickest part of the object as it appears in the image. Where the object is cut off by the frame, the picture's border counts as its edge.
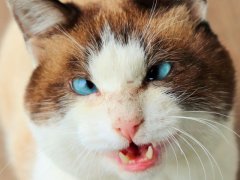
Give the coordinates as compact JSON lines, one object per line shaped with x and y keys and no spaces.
{"x":149,"y":153}
{"x":123,"y":158}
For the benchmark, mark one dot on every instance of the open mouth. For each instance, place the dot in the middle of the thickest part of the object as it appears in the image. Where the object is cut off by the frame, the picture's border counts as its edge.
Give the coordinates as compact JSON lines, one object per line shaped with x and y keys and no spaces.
{"x":138,"y":158}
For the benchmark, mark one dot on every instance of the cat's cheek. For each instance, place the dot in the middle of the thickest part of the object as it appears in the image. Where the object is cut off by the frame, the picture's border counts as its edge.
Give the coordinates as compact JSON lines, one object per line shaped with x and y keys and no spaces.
{"x":93,"y":127}
{"x":159,"y":111}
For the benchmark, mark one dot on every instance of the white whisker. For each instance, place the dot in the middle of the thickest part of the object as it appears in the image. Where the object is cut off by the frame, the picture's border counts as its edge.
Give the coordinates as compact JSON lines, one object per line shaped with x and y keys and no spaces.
{"x":174,"y":152}
{"x":189,"y":144}
{"x":203,"y":147}
{"x":185,"y":157}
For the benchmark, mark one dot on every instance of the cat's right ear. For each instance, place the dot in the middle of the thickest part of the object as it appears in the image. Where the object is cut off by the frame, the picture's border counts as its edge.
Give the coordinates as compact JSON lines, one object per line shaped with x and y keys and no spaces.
{"x":36,"y":17}
{"x":197,"y":8}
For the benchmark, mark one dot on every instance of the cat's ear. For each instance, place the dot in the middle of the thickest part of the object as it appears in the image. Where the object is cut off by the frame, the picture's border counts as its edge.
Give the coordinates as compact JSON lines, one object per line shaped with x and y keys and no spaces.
{"x":198,"y":8}
{"x":37,"y":17}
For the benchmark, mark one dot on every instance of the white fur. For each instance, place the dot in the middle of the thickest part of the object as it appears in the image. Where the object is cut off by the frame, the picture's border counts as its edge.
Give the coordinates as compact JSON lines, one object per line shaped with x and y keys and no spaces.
{"x":201,"y":8}
{"x":117,"y":64}
{"x":45,"y":169}
{"x":79,"y":143}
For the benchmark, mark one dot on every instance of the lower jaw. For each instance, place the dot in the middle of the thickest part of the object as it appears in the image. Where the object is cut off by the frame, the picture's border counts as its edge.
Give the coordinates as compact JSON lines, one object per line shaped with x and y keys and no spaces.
{"x":140,"y":167}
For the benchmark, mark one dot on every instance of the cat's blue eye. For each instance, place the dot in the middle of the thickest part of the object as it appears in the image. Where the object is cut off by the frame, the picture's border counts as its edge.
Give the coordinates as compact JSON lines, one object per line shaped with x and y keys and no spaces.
{"x":83,"y":87}
{"x":160,"y":71}
{"x":163,"y":70}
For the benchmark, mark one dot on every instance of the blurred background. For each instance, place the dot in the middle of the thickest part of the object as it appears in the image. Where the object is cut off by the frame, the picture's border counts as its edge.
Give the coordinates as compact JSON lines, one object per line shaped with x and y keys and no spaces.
{"x":224,"y":17}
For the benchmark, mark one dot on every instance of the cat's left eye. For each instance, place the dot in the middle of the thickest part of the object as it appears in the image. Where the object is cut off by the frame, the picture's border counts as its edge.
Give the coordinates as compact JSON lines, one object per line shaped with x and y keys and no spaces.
{"x":159,"y":72}
{"x":83,"y":86}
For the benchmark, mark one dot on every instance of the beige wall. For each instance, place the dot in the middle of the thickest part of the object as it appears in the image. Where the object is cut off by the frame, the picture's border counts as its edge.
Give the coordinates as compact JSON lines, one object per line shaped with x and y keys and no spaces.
{"x":5,"y":172}
{"x":224,"y":16}
{"x":3,"y":16}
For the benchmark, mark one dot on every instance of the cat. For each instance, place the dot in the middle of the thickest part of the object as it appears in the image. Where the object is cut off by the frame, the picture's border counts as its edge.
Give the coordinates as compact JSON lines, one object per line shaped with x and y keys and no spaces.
{"x":116,"y":89}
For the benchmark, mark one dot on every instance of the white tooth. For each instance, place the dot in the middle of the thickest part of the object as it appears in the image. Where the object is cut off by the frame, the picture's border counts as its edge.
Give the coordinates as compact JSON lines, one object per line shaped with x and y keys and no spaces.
{"x":123,"y":158}
{"x":131,"y":162}
{"x":149,"y":153}
{"x":144,"y":159}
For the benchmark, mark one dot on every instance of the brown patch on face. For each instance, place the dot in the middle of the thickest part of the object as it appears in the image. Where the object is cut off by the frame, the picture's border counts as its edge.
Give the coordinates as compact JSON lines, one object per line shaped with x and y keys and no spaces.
{"x":202,"y":74}
{"x":201,"y":68}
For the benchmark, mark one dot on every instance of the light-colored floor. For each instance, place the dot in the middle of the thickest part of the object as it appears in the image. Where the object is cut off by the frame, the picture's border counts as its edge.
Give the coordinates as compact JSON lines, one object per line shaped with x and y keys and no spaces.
{"x":224,"y":19}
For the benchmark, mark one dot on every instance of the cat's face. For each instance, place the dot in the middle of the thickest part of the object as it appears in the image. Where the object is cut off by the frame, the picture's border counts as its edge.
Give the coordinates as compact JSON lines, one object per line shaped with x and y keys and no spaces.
{"x":121,"y":88}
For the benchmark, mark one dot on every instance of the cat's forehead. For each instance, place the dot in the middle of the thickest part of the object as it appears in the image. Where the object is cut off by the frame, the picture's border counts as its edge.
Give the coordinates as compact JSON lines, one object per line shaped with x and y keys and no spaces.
{"x":132,"y":21}
{"x":147,"y":31}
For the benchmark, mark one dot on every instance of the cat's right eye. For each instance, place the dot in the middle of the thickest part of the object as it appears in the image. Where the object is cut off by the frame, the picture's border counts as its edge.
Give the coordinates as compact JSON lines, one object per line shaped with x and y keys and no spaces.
{"x":83,"y":87}
{"x":159,"y":72}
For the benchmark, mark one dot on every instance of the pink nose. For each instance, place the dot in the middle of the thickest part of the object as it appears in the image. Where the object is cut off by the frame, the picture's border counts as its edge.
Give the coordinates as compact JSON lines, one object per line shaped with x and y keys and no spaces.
{"x":127,"y":129}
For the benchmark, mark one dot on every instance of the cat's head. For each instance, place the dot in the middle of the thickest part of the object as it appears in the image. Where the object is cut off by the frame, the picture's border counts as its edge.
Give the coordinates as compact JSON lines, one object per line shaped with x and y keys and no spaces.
{"x":119,"y":83}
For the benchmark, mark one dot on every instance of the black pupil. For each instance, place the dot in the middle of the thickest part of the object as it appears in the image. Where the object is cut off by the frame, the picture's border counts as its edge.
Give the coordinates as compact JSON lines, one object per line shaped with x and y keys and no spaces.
{"x":153,"y":73}
{"x":90,"y":85}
